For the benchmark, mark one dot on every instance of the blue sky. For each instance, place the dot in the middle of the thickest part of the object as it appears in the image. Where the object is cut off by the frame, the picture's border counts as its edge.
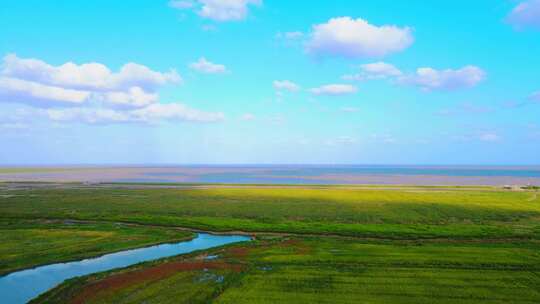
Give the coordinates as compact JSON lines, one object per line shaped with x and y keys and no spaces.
{"x":261,"y":81}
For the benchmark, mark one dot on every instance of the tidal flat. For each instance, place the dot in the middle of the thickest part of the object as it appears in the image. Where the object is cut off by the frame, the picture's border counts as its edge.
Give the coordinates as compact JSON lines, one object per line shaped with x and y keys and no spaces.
{"x":282,"y":174}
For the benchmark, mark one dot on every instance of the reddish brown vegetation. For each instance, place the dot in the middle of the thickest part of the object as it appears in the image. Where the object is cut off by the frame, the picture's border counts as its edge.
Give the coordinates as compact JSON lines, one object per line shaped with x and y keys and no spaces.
{"x":238,"y":252}
{"x":299,"y":246}
{"x":123,"y":280}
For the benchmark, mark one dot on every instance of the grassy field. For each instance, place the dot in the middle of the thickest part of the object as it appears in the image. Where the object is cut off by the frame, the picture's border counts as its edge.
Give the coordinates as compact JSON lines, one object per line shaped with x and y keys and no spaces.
{"x":320,"y":245}
{"x":397,"y":214}
{"x":323,"y":270}
{"x":25,"y":244}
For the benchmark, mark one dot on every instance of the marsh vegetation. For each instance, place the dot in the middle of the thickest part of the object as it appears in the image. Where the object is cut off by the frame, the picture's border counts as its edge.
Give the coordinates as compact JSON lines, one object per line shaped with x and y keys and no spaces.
{"x":313,"y":244}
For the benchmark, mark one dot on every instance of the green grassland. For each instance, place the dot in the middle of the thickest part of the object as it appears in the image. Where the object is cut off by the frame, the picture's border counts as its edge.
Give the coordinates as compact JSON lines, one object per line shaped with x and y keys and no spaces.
{"x":314,"y":244}
{"x":25,"y":244}
{"x":324,"y":270}
{"x":397,"y":214}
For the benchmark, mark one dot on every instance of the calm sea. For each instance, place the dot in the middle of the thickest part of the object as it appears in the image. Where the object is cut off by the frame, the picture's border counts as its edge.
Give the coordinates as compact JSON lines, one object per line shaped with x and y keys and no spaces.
{"x":301,"y":174}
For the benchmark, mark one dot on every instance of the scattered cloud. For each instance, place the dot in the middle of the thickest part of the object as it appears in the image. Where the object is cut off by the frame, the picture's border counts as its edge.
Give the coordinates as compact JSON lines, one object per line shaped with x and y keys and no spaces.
{"x":465,"y":109}
{"x":526,"y":15}
{"x":446,"y":80}
{"x":87,"y":115}
{"x":346,"y":140}
{"x":38,"y":83}
{"x":176,"y":111}
{"x":533,"y":99}
{"x":89,"y":76}
{"x":151,"y":114}
{"x":380,"y":70}
{"x":349,"y":109}
{"x":342,"y":141}
{"x":304,"y":141}
{"x":293,"y":35}
{"x":296,"y":35}
{"x":14,"y":126}
{"x":533,"y":131}
{"x":248,"y":117}
{"x":376,"y":70}
{"x":91,"y":93}
{"x":182,"y":4}
{"x":426,"y":78}
{"x":511,"y":104}
{"x":22,"y":91}
{"x":334,"y":90}
{"x":134,"y":96}
{"x":384,"y":138}
{"x":479,"y":136}
{"x":209,"y":28}
{"x":277,"y":119}
{"x":422,"y":141}
{"x":489,"y":137}
{"x":356,"y":38}
{"x":207,"y":67}
{"x":535,"y":96}
{"x":218,"y":10}
{"x":286,"y":85}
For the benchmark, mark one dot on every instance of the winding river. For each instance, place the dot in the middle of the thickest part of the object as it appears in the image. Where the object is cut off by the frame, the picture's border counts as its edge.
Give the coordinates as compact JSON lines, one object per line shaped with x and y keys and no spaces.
{"x":22,"y":286}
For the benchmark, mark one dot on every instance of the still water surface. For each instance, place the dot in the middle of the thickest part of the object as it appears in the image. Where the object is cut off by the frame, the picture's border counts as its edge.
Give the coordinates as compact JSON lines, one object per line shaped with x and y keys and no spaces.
{"x":24,"y":285}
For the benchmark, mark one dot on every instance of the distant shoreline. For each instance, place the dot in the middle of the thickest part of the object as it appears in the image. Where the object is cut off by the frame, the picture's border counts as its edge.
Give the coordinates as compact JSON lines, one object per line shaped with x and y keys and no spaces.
{"x":283,"y":174}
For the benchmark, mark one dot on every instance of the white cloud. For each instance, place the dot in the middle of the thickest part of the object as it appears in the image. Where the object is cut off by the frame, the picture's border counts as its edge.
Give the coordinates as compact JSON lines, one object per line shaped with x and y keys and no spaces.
{"x":226,"y":10}
{"x":465,"y":109}
{"x":181,"y":4}
{"x":342,"y":141}
{"x":17,"y":126}
{"x":207,"y":67}
{"x":135,"y":96}
{"x":376,"y":70}
{"x":380,"y":70}
{"x":38,"y":83}
{"x":304,"y":141}
{"x":277,"y":119}
{"x":133,"y":74}
{"x":150,"y":114}
{"x":175,"y":111}
{"x":346,"y":140}
{"x":286,"y":85}
{"x":248,"y":117}
{"x":91,"y":93}
{"x":353,"y":77}
{"x":427,"y":78}
{"x":295,"y":35}
{"x":88,"y":76}
{"x":489,"y":137}
{"x":87,"y":115}
{"x":349,"y":109}
{"x":22,"y":91}
{"x":384,"y":138}
{"x":526,"y":14}
{"x":535,"y":96}
{"x":334,"y":90}
{"x":432,"y":79}
{"x":209,"y":28}
{"x":350,"y":38}
{"x":218,"y":10}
